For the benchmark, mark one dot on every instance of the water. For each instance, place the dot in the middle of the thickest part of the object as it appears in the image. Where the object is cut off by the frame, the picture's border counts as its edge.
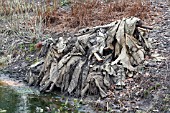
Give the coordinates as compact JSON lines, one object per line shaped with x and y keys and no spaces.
{"x":18,"y":98}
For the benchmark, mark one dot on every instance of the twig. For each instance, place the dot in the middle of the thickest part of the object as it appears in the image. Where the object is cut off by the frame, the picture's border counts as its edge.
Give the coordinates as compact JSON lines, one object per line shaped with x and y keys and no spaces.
{"x":98,"y":57}
{"x":145,"y":27}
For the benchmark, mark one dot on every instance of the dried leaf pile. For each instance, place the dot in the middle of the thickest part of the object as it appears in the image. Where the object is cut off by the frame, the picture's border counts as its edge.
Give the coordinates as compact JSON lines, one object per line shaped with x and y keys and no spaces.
{"x":91,"y":60}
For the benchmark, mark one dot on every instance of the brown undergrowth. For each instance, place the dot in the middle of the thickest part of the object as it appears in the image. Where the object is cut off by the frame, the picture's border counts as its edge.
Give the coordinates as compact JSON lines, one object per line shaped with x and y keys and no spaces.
{"x":57,"y":16}
{"x":95,"y":12}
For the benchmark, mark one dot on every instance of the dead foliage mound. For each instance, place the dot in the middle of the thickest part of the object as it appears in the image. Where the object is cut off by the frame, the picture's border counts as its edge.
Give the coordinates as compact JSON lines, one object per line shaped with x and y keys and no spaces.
{"x":92,"y":60}
{"x":94,"y":12}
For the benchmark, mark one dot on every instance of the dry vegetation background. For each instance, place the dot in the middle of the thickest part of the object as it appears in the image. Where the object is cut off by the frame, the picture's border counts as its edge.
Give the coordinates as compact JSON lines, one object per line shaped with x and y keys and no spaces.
{"x":69,"y":15}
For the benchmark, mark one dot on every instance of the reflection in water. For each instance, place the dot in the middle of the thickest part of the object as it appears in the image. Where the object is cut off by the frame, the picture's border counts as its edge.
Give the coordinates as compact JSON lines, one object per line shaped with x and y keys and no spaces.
{"x":23,"y":104}
{"x":22,"y":100}
{"x":8,"y":99}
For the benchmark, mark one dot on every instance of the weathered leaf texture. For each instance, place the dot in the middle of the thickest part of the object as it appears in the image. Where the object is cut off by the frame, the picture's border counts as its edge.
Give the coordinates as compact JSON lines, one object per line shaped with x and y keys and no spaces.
{"x":93,"y":59}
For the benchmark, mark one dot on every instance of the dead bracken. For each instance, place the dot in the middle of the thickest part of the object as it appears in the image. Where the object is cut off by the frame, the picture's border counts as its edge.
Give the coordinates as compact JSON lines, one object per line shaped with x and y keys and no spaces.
{"x":94,"y":12}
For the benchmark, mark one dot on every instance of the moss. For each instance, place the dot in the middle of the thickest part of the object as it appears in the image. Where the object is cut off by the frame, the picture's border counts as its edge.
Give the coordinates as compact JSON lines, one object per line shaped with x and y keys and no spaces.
{"x":64,"y":2}
{"x":31,"y":47}
{"x":27,"y":59}
{"x":21,"y":46}
{"x":157,"y":85}
{"x":35,"y":60}
{"x":145,"y":93}
{"x":151,"y":88}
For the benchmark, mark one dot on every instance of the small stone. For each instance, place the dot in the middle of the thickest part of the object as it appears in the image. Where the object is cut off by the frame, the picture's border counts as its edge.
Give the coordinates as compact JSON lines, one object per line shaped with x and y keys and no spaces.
{"x":130,"y":74}
{"x":23,"y":64}
{"x":155,"y":110}
{"x":167,"y":34}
